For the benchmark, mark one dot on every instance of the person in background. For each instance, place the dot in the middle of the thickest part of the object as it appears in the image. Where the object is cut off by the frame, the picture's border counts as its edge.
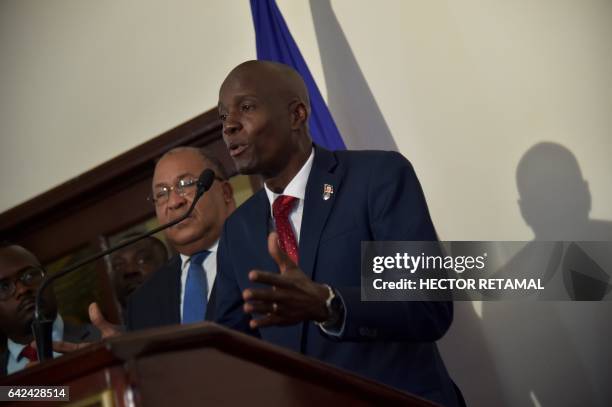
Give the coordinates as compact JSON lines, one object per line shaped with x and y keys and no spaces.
{"x":134,"y":264}
{"x":20,"y":276}
{"x":179,"y":292}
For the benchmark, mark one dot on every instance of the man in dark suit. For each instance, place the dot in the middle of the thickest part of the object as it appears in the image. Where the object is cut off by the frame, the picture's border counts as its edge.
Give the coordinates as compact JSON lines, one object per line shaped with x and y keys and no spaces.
{"x":20,"y":277}
{"x":180,"y":290}
{"x":299,"y":286}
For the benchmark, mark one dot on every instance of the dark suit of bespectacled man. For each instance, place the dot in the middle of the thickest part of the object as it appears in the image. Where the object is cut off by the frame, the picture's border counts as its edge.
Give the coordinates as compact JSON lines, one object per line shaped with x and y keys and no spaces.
{"x":299,"y":286}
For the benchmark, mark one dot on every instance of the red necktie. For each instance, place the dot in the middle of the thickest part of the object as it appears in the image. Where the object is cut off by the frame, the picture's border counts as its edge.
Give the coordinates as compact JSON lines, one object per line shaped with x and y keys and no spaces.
{"x":30,"y":353}
{"x":280,"y":209}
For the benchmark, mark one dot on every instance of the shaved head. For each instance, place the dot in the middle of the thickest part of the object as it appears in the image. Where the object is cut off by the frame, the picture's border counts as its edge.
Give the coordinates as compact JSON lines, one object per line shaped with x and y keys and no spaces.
{"x":13,"y":250}
{"x":278,"y":78}
{"x":209,"y":159}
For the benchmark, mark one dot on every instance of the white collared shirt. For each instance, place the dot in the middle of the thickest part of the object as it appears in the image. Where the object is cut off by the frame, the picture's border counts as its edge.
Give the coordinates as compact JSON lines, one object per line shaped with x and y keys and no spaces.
{"x":296,"y":188}
{"x":14,"y":365}
{"x":210,"y":269}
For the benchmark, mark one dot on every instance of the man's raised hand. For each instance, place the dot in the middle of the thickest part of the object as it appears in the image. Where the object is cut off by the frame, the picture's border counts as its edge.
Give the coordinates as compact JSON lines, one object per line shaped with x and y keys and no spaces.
{"x":292,"y":296}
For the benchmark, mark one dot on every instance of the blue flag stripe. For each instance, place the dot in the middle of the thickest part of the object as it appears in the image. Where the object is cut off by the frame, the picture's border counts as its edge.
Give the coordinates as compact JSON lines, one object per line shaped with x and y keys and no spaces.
{"x":275,"y":43}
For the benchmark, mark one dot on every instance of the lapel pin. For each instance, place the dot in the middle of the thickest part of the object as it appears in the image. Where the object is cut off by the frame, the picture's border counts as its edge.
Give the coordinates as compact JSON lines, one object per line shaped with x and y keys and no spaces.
{"x":328,"y":191}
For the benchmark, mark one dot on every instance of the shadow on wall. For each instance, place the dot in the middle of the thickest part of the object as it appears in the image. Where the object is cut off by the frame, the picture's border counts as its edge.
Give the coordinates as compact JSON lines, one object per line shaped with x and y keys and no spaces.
{"x":350,"y":100}
{"x":547,"y":353}
{"x":555,"y":200}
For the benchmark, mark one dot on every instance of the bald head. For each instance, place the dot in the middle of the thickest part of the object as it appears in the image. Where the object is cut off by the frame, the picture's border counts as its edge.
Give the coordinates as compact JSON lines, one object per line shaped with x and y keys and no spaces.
{"x":278,"y":78}
{"x":208,"y":159}
{"x":12,"y":251}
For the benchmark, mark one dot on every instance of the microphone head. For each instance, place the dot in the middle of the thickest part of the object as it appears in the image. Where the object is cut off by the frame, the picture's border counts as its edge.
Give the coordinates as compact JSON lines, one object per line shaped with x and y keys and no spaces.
{"x":205,"y":180}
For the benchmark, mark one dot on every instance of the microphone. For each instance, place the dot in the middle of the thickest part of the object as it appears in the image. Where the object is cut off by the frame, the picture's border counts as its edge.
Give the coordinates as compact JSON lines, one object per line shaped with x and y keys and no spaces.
{"x":204,"y":183}
{"x":42,"y":327}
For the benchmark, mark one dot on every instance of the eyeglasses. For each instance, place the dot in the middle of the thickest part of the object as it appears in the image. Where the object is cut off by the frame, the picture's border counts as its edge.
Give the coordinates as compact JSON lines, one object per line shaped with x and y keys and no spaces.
{"x":184,"y":187}
{"x":29,"y":277}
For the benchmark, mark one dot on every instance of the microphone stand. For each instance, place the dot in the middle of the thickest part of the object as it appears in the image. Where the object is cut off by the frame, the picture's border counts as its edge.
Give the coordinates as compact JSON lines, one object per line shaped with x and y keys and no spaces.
{"x":42,"y":326}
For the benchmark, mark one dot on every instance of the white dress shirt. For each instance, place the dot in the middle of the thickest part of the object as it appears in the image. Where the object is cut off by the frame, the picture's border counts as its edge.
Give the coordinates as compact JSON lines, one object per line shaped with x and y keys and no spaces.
{"x":296,"y":188}
{"x":210,"y":269}
{"x":13,"y":365}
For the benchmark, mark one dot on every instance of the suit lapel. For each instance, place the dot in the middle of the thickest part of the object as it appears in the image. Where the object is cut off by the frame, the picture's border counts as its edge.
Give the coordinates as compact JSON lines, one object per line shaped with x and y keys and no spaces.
{"x":170,"y":304}
{"x":259,"y":228}
{"x":210,"y":306}
{"x":317,"y":209}
{"x":314,"y":218}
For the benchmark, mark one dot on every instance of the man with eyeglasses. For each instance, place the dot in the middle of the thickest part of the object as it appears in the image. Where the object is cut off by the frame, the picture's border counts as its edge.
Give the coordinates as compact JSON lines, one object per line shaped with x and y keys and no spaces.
{"x":179,"y":292}
{"x":20,"y":276}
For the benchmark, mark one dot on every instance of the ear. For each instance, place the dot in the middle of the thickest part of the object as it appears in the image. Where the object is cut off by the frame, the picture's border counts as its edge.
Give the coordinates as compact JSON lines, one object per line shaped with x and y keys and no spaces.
{"x":228,"y":192}
{"x":299,"y":114}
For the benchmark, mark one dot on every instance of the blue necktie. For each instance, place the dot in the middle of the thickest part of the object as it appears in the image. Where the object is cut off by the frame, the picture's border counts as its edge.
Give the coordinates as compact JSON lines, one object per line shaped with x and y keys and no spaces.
{"x":196,"y":288}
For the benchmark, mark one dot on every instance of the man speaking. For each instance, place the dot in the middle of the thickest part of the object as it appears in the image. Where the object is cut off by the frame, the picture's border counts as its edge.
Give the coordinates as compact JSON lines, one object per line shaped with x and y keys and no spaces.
{"x":289,"y":257}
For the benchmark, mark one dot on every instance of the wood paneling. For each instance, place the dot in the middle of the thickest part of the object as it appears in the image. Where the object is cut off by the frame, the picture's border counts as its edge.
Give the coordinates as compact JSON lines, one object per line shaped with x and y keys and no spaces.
{"x":107,"y":199}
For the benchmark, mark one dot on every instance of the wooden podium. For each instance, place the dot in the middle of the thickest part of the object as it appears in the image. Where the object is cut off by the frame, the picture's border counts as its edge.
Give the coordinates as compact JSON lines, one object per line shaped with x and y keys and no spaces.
{"x":202,"y":364}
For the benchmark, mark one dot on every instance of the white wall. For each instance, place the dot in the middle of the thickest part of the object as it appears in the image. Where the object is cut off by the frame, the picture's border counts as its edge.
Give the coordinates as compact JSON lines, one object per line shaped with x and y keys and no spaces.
{"x":463,"y":88}
{"x":83,"y":81}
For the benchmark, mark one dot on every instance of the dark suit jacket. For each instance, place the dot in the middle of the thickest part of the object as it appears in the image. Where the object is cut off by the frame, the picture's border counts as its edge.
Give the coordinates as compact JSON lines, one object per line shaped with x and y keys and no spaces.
{"x":157,"y":302}
{"x":72,"y":333}
{"x":376,"y":197}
